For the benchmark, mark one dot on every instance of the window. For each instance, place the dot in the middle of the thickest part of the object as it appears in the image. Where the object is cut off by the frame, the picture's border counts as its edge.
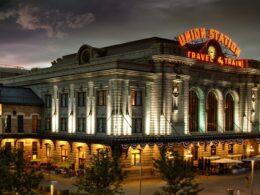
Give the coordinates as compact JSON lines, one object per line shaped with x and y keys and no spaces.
{"x":213,"y":150}
{"x":195,"y":152}
{"x":48,"y":124}
{"x":230,"y":148}
{"x":64,"y":154}
{"x":137,"y":125}
{"x":34,"y":123}
{"x":8,"y":123}
{"x":20,"y":146}
{"x":82,"y":158}
{"x":229,"y":113}
{"x":101,"y":98}
{"x":8,"y":146}
{"x":63,"y":124}
{"x":136,"y":98}
{"x":47,"y":101}
{"x":20,"y":123}
{"x":135,"y":158}
{"x":212,"y":104}
{"x":34,"y":150}
{"x":81,"y":99}
{"x":101,"y":125}
{"x":81,"y":124}
{"x":193,"y":112}
{"x":64,"y":100}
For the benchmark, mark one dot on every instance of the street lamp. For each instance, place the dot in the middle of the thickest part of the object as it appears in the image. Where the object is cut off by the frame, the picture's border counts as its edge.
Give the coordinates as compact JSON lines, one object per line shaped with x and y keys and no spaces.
{"x":52,"y":186}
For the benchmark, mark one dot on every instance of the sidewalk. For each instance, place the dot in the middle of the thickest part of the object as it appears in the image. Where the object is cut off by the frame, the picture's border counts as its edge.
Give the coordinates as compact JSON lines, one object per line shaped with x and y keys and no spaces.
{"x":212,"y":185}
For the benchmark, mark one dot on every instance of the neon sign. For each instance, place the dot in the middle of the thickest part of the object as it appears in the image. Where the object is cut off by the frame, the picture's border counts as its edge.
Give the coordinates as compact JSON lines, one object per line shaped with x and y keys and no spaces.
{"x":220,"y":60}
{"x":203,"y":33}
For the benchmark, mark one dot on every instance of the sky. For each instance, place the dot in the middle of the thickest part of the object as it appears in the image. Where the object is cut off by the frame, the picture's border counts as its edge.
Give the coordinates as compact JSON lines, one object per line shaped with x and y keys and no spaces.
{"x":35,"y":32}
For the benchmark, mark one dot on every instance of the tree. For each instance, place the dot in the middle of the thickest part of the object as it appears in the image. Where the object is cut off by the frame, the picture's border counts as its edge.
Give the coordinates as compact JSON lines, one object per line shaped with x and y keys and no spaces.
{"x":177,"y":173}
{"x":102,"y":177}
{"x":15,"y":176}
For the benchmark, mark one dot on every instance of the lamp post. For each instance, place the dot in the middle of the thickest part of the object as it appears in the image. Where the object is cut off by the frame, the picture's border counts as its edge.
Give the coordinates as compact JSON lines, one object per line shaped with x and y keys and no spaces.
{"x":251,"y":150}
{"x":52,"y":186}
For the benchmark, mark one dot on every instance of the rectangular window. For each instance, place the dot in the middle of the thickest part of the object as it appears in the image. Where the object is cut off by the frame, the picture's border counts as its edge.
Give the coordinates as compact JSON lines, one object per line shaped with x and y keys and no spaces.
{"x":63,"y":124}
{"x":64,"y":155}
{"x":101,"y":125}
{"x":81,"y":124}
{"x":47,"y":101}
{"x":135,"y":158}
{"x":230,"y":148}
{"x":47,"y":124}
{"x":64,"y":100}
{"x":137,"y":125}
{"x":136,"y":98}
{"x":81,"y":99}
{"x":34,"y":150}
{"x":101,"y":98}
{"x":34,"y":123}
{"x":20,"y":146}
{"x":20,"y":123}
{"x":8,"y":146}
{"x":8,"y":123}
{"x":213,"y":150}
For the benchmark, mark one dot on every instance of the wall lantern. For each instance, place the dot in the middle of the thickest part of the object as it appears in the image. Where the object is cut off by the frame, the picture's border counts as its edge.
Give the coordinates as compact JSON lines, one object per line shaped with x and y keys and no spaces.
{"x":254,"y":93}
{"x":176,"y":86}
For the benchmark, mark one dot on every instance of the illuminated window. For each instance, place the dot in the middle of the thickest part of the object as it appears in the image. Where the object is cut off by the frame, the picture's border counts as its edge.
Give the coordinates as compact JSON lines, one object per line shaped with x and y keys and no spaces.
{"x":64,"y":154}
{"x":212,"y":104}
{"x":230,"y":148}
{"x":136,"y":98}
{"x":48,"y":124}
{"x":34,"y":150}
{"x":20,"y":123}
{"x":137,"y":125}
{"x":47,"y":101}
{"x":63,"y":124}
{"x":101,"y":125}
{"x":229,"y":113}
{"x":82,"y":158}
{"x":48,"y":151}
{"x":101,"y":98}
{"x":64,"y":100}
{"x":81,"y":99}
{"x":8,"y":123}
{"x":135,"y":158}
{"x":213,"y":150}
{"x":81,"y":124}
{"x":193,"y":112}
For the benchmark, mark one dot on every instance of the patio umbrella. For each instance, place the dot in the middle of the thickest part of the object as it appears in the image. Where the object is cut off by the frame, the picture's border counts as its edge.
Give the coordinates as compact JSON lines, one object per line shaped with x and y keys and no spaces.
{"x":254,"y":158}
{"x":226,"y":161}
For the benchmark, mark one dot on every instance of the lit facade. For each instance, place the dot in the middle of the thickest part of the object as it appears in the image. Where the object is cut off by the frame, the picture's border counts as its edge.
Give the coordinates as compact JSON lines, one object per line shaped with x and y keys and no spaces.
{"x":136,"y":97}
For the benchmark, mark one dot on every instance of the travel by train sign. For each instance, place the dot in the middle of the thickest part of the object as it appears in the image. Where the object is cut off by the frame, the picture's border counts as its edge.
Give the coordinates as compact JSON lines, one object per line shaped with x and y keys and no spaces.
{"x":211,"y":51}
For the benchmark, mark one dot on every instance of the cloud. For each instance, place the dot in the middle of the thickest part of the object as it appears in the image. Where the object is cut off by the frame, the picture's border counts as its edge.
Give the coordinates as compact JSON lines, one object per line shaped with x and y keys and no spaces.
{"x":7,"y":14}
{"x":53,"y":22}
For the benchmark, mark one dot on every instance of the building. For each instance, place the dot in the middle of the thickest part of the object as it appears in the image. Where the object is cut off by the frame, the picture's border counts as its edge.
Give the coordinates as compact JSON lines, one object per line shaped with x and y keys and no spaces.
{"x":193,"y":93}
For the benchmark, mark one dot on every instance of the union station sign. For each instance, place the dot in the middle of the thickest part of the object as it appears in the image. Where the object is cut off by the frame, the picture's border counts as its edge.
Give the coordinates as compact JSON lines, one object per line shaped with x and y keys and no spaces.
{"x":212,"y":52}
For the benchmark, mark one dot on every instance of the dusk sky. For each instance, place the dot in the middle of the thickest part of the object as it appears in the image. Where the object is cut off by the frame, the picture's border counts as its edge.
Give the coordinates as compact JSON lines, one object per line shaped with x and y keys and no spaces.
{"x":34,"y":33}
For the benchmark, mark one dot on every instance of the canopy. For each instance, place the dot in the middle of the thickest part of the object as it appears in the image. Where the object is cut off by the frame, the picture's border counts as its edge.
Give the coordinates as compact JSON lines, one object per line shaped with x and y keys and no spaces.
{"x":226,"y":161}
{"x":255,"y":158}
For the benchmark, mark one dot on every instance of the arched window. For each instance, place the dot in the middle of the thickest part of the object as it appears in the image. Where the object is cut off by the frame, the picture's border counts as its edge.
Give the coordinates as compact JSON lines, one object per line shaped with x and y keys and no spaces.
{"x":193,"y":112}
{"x":212,"y":118}
{"x":229,"y":113}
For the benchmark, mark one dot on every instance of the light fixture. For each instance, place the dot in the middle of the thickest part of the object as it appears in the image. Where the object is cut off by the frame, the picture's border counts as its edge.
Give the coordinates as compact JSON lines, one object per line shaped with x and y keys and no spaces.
{"x":254,"y":93}
{"x":175,"y":91}
{"x":188,"y":154}
{"x":251,"y":149}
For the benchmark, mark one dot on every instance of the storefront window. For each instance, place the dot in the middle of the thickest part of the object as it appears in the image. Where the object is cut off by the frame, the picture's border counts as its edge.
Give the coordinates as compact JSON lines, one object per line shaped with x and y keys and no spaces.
{"x":135,"y":158}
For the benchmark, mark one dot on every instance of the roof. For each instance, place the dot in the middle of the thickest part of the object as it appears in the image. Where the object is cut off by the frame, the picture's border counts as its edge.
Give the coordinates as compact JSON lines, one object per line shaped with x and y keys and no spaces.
{"x":19,"y":95}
